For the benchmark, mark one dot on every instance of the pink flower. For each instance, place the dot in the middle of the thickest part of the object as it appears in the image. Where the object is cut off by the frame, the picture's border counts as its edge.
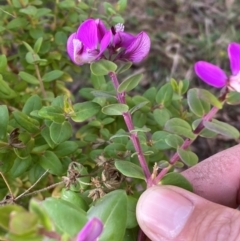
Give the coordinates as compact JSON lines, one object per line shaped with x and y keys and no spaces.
{"x":215,"y":76}
{"x":92,"y":40}
{"x":89,"y":42}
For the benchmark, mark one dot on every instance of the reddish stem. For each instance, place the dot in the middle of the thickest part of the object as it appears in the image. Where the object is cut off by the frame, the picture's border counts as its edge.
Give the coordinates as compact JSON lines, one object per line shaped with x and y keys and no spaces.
{"x":133,"y":136}
{"x":188,"y":142}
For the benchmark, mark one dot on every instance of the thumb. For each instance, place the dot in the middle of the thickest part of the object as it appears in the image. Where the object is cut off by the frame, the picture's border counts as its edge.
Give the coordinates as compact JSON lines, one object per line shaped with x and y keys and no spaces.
{"x":171,"y":213}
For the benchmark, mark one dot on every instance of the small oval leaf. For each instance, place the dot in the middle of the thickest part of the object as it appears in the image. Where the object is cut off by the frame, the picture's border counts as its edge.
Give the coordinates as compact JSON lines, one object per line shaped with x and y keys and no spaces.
{"x":115,"y":109}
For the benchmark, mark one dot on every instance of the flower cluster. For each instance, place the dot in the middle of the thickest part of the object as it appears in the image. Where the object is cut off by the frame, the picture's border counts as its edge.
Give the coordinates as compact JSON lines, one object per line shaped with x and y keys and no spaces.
{"x":215,"y":76}
{"x":93,"y":41}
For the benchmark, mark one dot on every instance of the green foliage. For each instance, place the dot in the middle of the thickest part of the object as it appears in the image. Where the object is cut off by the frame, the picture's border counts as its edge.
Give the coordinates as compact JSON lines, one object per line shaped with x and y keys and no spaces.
{"x":130,"y":83}
{"x":129,"y":169}
{"x":103,"y":67}
{"x":111,"y":206}
{"x":176,"y":179}
{"x":66,"y":217}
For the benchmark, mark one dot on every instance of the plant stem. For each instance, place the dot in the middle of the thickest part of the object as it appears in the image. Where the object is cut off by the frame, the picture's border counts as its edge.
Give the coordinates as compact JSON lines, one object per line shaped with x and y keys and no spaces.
{"x":40,"y":80}
{"x":8,"y":186}
{"x":199,"y":128}
{"x":44,"y":189}
{"x":24,"y":193}
{"x":141,"y":235}
{"x":133,"y":136}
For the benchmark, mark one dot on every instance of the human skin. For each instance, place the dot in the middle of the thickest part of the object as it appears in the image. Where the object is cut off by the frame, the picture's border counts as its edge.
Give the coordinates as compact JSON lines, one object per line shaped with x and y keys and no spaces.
{"x":171,"y":213}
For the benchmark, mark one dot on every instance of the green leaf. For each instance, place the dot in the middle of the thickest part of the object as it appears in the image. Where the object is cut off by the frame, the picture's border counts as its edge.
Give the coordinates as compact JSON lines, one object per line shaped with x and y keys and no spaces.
{"x":158,"y":139}
{"x":36,"y":207}
{"x":115,"y":109}
{"x":35,"y":173}
{"x":85,"y":110}
{"x":5,"y":91}
{"x":49,"y":161}
{"x":112,"y":211}
{"x":75,"y":198}
{"x":138,"y":106}
{"x":98,"y":82}
{"x":124,"y":67}
{"x":143,"y":129}
{"x":179,"y":127}
{"x":4,"y":117}
{"x":174,"y":141}
{"x":6,"y":212}
{"x":150,"y":94}
{"x":164,"y":95}
{"x":209,"y":98}
{"x":45,"y":132}
{"x":183,"y":86}
{"x":137,"y":99}
{"x":176,"y":179}
{"x":28,"y":78}
{"x":17,"y":23}
{"x":198,"y":107}
{"x":29,"y":10}
{"x":131,"y":212}
{"x":53,"y":113}
{"x":60,"y":132}
{"x":20,"y":166}
{"x":3,"y":63}
{"x":60,"y":38}
{"x":33,"y":103}
{"x":130,"y":169}
{"x":26,"y":122}
{"x":114,"y":149}
{"x":102,"y":67}
{"x":52,"y":75}
{"x":222,"y":128}
{"x":66,"y":216}
{"x":66,"y":148}
{"x":188,"y":157}
{"x":121,"y":4}
{"x":130,"y":83}
{"x":23,"y":223}
{"x":38,"y":45}
{"x":233,"y":97}
{"x":161,"y":116}
{"x":32,"y":58}
{"x":105,"y":94}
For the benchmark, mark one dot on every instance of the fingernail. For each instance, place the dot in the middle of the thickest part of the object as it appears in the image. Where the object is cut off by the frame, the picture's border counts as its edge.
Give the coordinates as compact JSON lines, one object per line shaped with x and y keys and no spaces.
{"x":164,"y":212}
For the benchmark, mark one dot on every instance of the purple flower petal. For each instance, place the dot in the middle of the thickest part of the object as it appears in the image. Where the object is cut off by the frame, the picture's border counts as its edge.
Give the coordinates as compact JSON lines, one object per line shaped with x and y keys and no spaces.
{"x":87,"y":33}
{"x":122,"y":39}
{"x":91,"y":231}
{"x":138,"y":49}
{"x":211,"y":74}
{"x":102,"y":30}
{"x":105,"y":41}
{"x":234,"y":57}
{"x":70,"y":47}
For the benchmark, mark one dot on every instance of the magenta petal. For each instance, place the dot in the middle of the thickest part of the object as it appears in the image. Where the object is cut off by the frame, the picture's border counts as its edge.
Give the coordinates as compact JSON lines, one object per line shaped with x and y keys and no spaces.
{"x":234,"y":57}
{"x":70,"y":47}
{"x":102,"y":30}
{"x":91,"y":231}
{"x":122,"y":40}
{"x":105,"y":41}
{"x":138,"y":49}
{"x":210,"y":73}
{"x":87,"y":34}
